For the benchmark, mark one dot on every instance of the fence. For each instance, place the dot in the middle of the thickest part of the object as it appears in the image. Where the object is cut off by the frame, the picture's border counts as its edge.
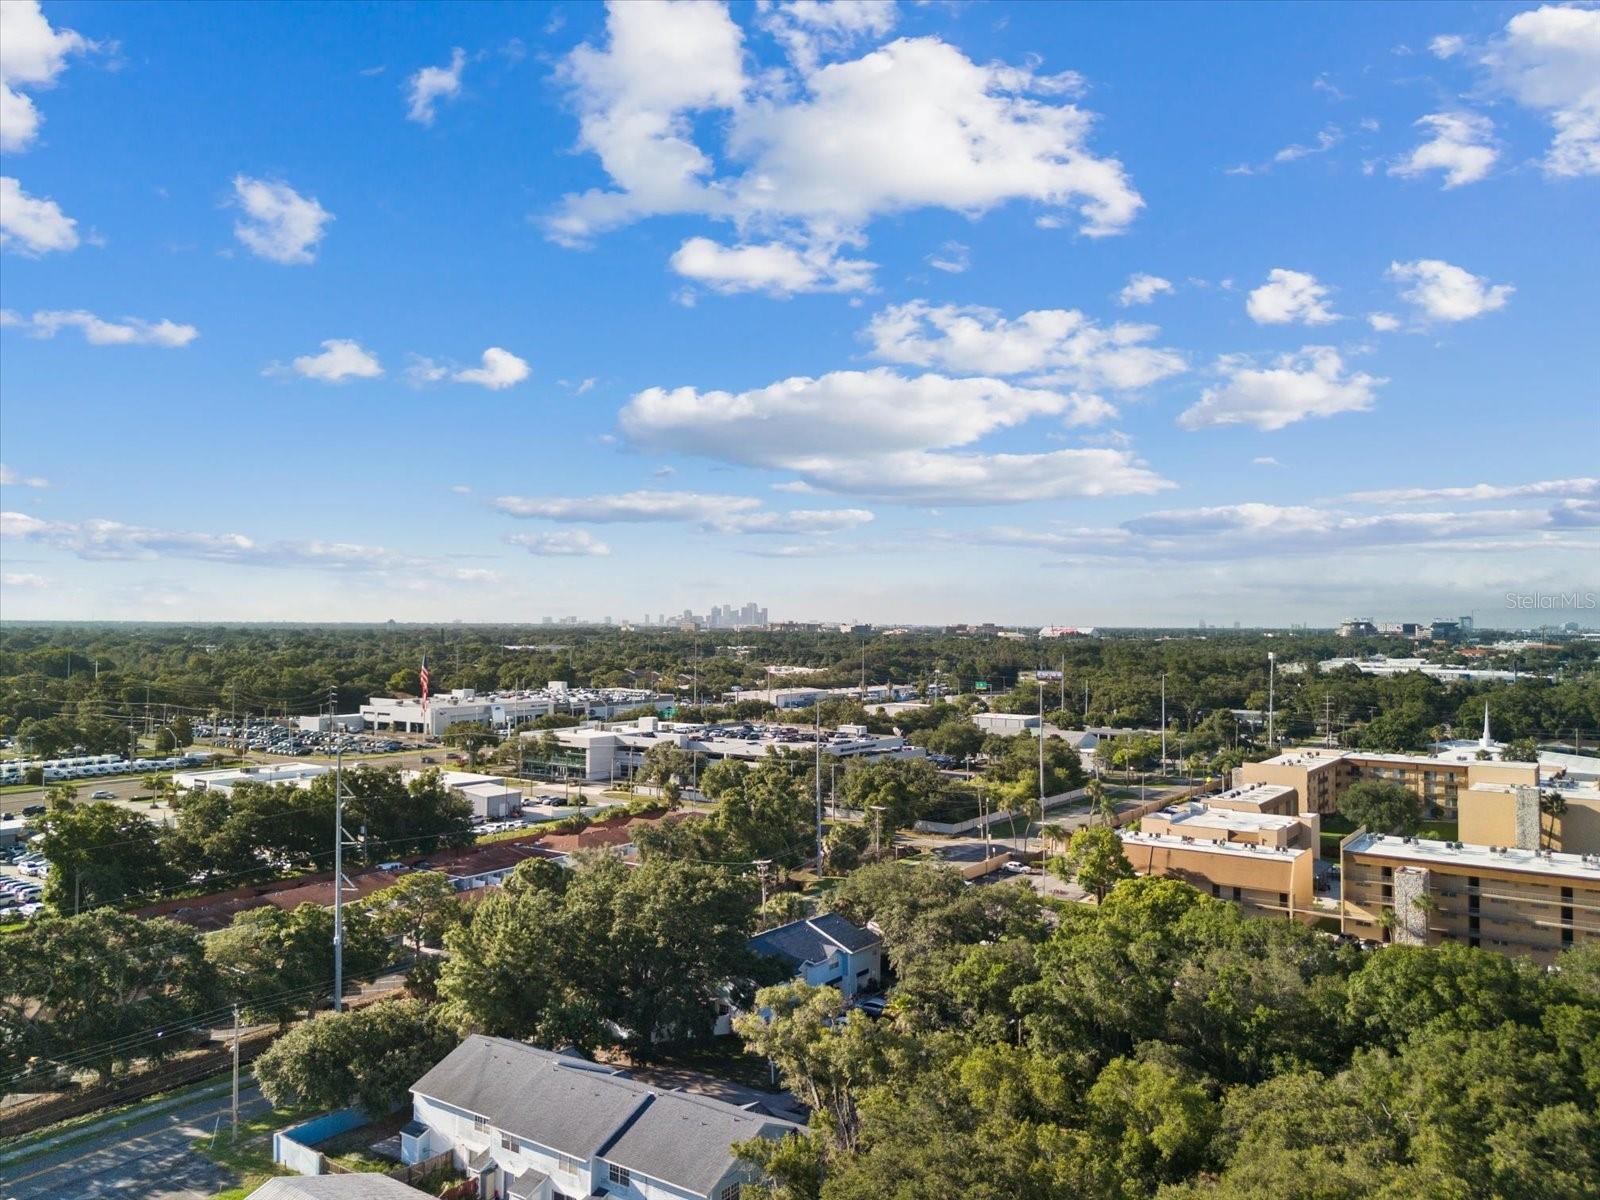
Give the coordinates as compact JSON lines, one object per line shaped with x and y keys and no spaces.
{"x":294,"y":1147}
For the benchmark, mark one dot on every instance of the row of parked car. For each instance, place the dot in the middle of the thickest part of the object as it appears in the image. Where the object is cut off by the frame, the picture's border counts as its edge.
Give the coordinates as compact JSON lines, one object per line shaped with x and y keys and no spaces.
{"x":20,"y":898}
{"x":272,"y":738}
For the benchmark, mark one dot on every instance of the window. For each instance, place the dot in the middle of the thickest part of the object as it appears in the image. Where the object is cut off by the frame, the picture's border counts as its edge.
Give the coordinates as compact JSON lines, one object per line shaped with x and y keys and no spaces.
{"x":480,"y":1124}
{"x":1238,"y":893}
{"x":1283,"y":899}
{"x":507,"y":1142}
{"x":731,"y":1192}
{"x":618,"y":1175}
{"x":567,"y":1163}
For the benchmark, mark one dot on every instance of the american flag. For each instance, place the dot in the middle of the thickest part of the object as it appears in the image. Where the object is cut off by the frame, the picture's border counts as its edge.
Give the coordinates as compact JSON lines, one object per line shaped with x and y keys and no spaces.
{"x":423,"y":678}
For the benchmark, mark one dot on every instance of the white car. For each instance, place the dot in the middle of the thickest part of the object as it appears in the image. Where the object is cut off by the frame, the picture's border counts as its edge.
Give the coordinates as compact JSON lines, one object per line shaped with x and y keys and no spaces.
{"x":1015,"y":868}
{"x":102,"y":794}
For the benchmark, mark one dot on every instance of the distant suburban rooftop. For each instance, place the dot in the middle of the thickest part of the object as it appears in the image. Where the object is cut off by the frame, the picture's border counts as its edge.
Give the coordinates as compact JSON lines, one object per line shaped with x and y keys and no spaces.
{"x":335,"y":1187}
{"x":813,"y":940}
{"x":1500,"y":858}
{"x":1163,"y":841}
{"x":1195,"y":812}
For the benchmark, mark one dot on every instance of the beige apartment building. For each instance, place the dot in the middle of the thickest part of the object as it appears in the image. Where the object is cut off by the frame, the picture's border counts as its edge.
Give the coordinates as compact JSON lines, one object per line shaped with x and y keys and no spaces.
{"x":1205,"y":821}
{"x":1320,"y":776}
{"x":1266,"y":879}
{"x":1274,"y":798}
{"x":1510,"y":900}
{"x":1495,"y":814}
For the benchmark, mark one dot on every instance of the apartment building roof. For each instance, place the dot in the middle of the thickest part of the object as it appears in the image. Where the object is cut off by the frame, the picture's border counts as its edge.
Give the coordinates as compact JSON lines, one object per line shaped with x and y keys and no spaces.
{"x":1498,"y":858}
{"x":585,"y":1110}
{"x":1251,"y":793}
{"x":360,"y":1186}
{"x":1165,"y":841}
{"x":1197,"y":814}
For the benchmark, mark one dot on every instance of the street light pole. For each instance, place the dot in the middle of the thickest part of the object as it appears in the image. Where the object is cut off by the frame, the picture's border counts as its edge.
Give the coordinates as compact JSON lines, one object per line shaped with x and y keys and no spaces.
{"x":236,"y":1072}
{"x":338,"y":882}
{"x":1272,"y":680}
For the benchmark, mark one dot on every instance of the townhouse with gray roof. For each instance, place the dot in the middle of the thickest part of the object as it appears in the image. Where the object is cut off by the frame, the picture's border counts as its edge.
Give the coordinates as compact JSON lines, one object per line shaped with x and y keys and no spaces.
{"x":531,"y":1124}
{"x":826,"y":951}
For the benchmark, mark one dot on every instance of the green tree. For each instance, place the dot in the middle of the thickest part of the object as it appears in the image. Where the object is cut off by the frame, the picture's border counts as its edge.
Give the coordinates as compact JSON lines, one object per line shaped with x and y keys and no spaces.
{"x":1095,"y":859}
{"x":366,"y":1057}
{"x":101,"y":854}
{"x":1382,"y":805}
{"x":905,"y":789}
{"x":91,"y":989}
{"x":277,"y":964}
{"x":418,"y":909}
{"x":471,"y":736}
{"x":1160,"y":1124}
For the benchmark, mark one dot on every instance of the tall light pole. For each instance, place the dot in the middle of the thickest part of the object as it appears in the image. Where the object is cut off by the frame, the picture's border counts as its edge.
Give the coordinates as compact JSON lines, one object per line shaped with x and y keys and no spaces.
{"x":1163,"y":720}
{"x":818,"y":773}
{"x":1272,"y":679}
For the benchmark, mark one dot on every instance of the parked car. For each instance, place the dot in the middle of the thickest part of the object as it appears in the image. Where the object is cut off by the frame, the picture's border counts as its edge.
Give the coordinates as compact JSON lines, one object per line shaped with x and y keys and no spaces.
{"x":33,"y":810}
{"x":1016,"y":868}
{"x":873,"y":1006}
{"x":102,"y":794}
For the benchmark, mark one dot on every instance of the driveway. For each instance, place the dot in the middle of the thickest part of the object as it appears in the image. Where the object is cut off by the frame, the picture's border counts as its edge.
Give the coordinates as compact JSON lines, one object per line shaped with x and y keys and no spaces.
{"x":153,"y":1159}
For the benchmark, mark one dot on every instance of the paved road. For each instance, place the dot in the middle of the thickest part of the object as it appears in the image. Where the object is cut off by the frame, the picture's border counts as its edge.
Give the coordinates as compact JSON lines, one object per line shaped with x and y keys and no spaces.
{"x":154,"y":1159}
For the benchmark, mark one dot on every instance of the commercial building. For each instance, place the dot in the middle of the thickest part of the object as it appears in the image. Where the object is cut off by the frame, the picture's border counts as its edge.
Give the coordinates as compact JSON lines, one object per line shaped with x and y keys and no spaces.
{"x":503,"y":710}
{"x":335,"y":723}
{"x":1319,"y":777}
{"x":491,"y":796}
{"x":1264,"y":879}
{"x":614,"y":752}
{"x":1007,"y":724}
{"x":1507,"y":899}
{"x":1404,"y":666}
{"x":295,"y":774}
{"x":530,"y":1124}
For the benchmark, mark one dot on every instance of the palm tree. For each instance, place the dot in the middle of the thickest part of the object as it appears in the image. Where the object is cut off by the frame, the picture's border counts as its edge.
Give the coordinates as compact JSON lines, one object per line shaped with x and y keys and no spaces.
{"x":1554,"y":806}
{"x":1097,"y":797}
{"x":1053,"y":835}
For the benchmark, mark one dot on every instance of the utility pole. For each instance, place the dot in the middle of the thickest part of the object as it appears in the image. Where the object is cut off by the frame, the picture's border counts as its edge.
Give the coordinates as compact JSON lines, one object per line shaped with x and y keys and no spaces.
{"x":818,"y":773}
{"x":1163,"y":720}
{"x":1272,"y":679}
{"x":1086,"y":702}
{"x":1041,"y":748}
{"x":761,"y":866}
{"x":877,"y":829}
{"x":338,"y":882}
{"x":235,"y":1072}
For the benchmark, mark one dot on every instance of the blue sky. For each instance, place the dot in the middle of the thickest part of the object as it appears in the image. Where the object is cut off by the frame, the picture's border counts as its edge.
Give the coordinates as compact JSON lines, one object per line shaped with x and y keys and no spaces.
{"x":1091,"y":314}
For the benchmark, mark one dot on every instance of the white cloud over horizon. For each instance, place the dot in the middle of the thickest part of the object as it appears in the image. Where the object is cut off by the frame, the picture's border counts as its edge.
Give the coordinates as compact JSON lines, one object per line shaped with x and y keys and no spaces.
{"x":430,"y":85}
{"x":1290,"y":297}
{"x":33,"y":54}
{"x":341,"y":359}
{"x":127,"y":331}
{"x":1442,"y":291}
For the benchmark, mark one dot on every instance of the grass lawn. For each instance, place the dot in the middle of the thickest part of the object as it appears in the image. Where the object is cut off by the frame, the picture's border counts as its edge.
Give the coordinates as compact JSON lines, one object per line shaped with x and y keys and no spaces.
{"x":250,"y":1157}
{"x":91,"y":1125}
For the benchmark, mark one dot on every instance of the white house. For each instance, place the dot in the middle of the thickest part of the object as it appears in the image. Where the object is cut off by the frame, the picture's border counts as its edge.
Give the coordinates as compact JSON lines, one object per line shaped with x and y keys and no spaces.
{"x":530,"y":1124}
{"x":826,"y":950}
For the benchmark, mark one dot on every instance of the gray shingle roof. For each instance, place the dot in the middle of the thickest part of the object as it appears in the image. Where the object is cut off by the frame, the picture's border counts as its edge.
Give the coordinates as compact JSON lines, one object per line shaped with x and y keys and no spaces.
{"x":566,"y":1104}
{"x":812,"y":940}
{"x":576,"y":1107}
{"x":687,"y":1140}
{"x":336,"y":1187}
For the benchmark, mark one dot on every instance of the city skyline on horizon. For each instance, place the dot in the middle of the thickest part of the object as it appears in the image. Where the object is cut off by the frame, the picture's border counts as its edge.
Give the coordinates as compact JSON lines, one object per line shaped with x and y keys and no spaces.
{"x":892,"y":313}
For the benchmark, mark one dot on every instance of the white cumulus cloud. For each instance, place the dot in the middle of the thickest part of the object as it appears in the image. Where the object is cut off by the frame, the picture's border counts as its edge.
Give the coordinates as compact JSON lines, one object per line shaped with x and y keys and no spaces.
{"x":129,"y":331}
{"x":1142,"y":289}
{"x":430,"y":85}
{"x":13,"y":478}
{"x":1447,"y":45}
{"x":1445,"y":292}
{"x":564,"y":543}
{"x":1383,"y":322}
{"x":1063,"y":346}
{"x":341,"y":359}
{"x":30,"y":225}
{"x":1548,"y":59}
{"x":279,"y":223}
{"x":808,"y":158}
{"x":1461,"y":146}
{"x":32,"y":55}
{"x":777,"y":268}
{"x":1311,"y":382}
{"x":501,"y":369}
{"x":1288,"y":297}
